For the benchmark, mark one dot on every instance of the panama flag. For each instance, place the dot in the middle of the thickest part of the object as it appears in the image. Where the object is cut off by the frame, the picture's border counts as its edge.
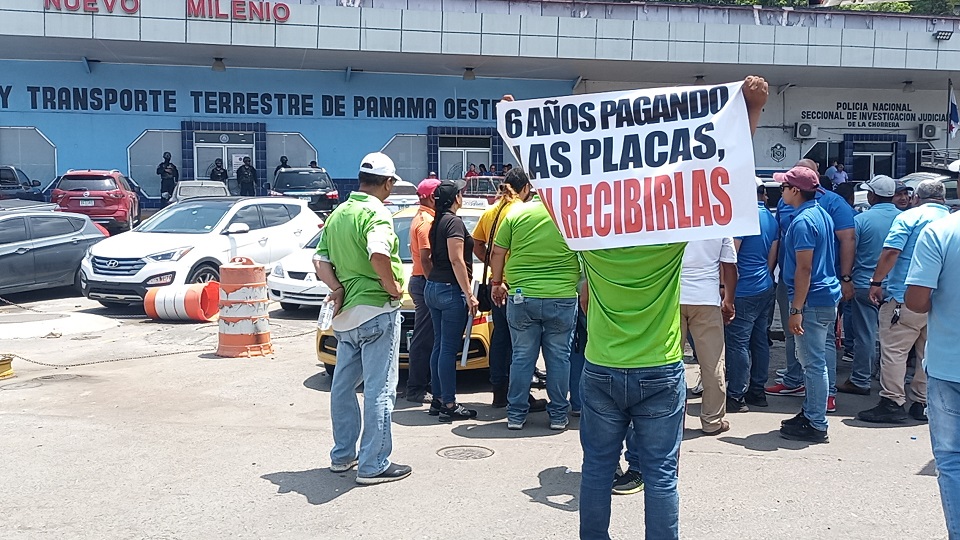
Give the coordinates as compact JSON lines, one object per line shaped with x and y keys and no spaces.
{"x":953,"y":113}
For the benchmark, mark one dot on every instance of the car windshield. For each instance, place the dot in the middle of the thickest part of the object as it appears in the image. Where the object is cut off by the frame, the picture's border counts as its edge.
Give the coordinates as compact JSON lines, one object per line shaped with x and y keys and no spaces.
{"x":187,"y":192}
{"x":187,"y":218}
{"x":404,"y":190}
{"x":402,"y":228}
{"x":294,"y":180}
{"x":79,"y":182}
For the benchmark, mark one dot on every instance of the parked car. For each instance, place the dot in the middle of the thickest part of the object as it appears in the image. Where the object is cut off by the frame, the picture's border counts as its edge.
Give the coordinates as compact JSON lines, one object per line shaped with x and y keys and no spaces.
{"x":912,"y":180}
{"x":188,"y":241}
{"x":15,"y":184}
{"x":293,"y":281}
{"x":307,"y":184}
{"x":105,"y":196}
{"x":404,"y":195}
{"x":189,"y":189}
{"x":478,"y":355}
{"x":40,"y":249}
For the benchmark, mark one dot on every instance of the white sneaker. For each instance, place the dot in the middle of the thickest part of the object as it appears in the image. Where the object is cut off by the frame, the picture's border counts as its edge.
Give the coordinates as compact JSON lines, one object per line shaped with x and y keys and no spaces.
{"x":514,"y":425}
{"x":559,"y":425}
{"x":698,"y":389}
{"x":782,"y":372}
{"x":342,"y":467}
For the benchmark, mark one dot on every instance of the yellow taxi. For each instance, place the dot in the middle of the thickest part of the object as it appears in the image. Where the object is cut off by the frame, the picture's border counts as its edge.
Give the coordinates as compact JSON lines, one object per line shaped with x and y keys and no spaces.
{"x":478,"y":355}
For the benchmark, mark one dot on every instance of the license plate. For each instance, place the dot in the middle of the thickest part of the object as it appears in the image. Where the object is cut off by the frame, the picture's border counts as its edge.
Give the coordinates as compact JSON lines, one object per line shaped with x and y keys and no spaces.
{"x":86,"y":202}
{"x":305,"y":198}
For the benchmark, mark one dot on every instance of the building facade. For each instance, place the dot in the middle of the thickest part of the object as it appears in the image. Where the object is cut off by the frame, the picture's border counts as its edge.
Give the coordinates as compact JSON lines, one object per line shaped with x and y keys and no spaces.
{"x":116,"y":83}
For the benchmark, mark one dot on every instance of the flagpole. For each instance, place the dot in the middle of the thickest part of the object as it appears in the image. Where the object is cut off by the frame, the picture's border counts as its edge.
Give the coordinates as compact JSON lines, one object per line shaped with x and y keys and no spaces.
{"x":946,"y":140}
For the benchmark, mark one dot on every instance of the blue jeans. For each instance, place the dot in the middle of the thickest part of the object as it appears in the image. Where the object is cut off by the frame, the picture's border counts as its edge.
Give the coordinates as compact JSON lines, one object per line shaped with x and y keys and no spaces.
{"x":943,"y":410}
{"x":865,"y":322}
{"x":577,"y":360}
{"x":795,"y":376}
{"x":421,"y":344}
{"x":535,"y":324}
{"x":846,"y":313}
{"x":368,"y":353}
{"x":748,"y":351}
{"x":501,"y":350}
{"x":653,"y":400}
{"x":448,"y":312}
{"x":812,"y":354}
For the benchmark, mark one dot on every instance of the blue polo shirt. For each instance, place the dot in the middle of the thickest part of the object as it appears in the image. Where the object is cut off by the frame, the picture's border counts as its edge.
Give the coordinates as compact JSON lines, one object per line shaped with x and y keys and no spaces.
{"x":903,"y":235}
{"x":812,"y":229}
{"x":752,"y":266}
{"x":936,"y":258}
{"x":840,"y":212}
{"x":872,"y":228}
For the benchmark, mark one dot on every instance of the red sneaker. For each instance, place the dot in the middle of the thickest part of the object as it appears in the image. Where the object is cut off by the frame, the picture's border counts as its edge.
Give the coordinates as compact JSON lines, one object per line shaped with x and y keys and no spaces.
{"x":831,"y":404}
{"x":780,"y":389}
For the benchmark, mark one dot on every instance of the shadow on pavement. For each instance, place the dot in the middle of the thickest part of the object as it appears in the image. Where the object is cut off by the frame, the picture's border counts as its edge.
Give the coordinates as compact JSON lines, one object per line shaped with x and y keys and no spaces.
{"x":319,"y":486}
{"x":319,"y":382}
{"x":765,"y":442}
{"x":536,"y":426}
{"x":930,"y":469}
{"x":559,"y":489}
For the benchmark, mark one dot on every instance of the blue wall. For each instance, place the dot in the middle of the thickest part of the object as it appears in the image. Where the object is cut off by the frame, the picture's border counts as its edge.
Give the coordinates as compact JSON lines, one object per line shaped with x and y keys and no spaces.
{"x":99,"y":139}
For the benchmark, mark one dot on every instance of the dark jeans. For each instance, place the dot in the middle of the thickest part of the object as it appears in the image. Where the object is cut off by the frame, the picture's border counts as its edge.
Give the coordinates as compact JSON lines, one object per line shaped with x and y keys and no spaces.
{"x":653,"y":400}
{"x":748,"y":351}
{"x":577,"y":360}
{"x":248,"y":189}
{"x":448,"y":311}
{"x":421,"y":344}
{"x":501,"y":348}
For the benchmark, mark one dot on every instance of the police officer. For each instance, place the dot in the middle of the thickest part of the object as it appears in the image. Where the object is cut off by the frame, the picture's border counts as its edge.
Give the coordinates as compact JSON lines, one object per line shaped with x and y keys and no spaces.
{"x":247,"y":178}
{"x":169,"y":176}
{"x":283,"y":165}
{"x":218,"y":174}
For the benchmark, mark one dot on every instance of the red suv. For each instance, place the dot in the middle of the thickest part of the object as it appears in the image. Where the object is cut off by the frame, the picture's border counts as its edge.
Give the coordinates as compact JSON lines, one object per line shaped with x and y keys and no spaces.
{"x":105,"y":196}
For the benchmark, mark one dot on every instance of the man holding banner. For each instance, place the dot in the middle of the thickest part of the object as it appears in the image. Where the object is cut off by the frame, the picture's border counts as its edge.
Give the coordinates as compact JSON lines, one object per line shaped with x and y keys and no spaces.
{"x":629,"y":177}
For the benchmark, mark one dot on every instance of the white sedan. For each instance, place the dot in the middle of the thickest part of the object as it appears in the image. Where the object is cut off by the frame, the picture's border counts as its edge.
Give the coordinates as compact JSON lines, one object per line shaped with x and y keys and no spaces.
{"x":293,"y":282}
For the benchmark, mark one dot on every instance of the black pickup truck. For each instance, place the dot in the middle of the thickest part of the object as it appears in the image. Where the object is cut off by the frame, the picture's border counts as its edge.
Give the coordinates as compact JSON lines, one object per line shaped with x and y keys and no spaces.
{"x":14,"y":184}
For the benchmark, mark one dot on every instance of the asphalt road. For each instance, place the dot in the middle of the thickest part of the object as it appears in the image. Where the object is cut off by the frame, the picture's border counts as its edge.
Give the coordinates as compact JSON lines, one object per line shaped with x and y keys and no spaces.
{"x":190,"y":445}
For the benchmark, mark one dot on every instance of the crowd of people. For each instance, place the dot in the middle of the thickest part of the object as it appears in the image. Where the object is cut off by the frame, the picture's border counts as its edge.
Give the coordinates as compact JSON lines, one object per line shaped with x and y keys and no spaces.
{"x":473,"y":170}
{"x":610,"y":323}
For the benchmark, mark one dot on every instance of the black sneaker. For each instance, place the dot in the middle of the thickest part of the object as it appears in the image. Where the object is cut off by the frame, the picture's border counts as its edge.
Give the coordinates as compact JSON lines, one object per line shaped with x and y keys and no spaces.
{"x":737,"y":405}
{"x":539,"y":379}
{"x":628,"y":483}
{"x":919,"y":411}
{"x":499,"y":396}
{"x":435,"y":407}
{"x":887,"y":412}
{"x":757,"y":399}
{"x":804,"y":432}
{"x":393,"y":473}
{"x":419,"y":397}
{"x":536,"y":405}
{"x":797,"y":420}
{"x":457,"y":412}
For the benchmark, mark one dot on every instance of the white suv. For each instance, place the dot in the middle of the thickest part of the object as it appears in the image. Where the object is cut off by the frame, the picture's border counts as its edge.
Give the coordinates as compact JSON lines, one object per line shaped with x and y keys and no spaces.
{"x":187,"y":242}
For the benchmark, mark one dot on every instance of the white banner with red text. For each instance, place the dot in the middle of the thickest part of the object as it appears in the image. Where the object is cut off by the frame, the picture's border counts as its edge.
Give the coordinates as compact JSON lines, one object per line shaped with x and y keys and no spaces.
{"x":639,"y":167}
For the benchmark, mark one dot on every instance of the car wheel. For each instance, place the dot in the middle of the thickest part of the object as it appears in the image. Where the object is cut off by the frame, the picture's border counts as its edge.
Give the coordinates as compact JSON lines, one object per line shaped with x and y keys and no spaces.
{"x":78,"y":282}
{"x":129,"y":225}
{"x":329,"y":368}
{"x":113,"y":305}
{"x":204,"y":274}
{"x":287,"y":306}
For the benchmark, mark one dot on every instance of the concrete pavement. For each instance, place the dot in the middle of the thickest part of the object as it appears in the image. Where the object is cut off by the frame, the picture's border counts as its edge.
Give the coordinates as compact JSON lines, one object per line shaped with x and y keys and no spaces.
{"x":195,"y":446}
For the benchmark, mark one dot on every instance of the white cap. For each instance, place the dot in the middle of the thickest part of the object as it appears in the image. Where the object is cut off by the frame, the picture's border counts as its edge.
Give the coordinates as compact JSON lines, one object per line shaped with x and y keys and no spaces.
{"x":379,"y":164}
{"x":765,"y":183}
{"x":882,"y":185}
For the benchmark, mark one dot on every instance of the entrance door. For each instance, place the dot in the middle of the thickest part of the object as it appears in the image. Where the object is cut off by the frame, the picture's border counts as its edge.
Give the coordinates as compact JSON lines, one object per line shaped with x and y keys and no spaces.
{"x":871,"y":159}
{"x":455,"y":162}
{"x":230,"y":147}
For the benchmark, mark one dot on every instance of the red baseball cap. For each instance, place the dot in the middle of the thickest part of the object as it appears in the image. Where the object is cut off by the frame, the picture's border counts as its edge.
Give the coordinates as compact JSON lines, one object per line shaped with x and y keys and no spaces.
{"x":802,"y":178}
{"x":427,"y":187}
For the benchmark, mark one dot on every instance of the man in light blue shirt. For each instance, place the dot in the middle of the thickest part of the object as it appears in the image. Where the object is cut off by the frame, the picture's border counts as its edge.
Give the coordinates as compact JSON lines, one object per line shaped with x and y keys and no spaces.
{"x":901,"y":328}
{"x":747,"y":348}
{"x":933,"y":289}
{"x":871,"y":228}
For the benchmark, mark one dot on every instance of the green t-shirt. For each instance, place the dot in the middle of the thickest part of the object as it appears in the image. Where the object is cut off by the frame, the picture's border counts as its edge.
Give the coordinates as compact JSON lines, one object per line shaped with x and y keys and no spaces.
{"x":540,"y":262}
{"x":356,"y":229}
{"x":633,"y":318}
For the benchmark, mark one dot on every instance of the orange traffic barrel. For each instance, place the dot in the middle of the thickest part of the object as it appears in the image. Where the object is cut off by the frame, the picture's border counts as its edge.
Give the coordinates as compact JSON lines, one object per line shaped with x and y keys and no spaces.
{"x":244,"y":318}
{"x":197,"y":302}
{"x":6,"y":366}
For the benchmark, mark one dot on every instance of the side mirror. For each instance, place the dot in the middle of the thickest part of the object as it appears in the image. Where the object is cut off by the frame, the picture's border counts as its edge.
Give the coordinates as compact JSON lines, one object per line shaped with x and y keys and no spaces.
{"x":268,"y":187}
{"x":35,"y":183}
{"x":237,"y":228}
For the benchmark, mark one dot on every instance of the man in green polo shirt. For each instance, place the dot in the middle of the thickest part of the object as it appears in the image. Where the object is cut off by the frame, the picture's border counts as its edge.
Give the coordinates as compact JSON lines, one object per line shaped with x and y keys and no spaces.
{"x":358,"y":259}
{"x":541,"y":305}
{"x":634,"y":375}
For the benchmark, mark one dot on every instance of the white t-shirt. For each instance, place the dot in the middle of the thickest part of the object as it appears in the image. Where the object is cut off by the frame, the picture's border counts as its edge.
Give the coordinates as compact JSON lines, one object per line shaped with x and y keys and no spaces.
{"x":700,"y":278}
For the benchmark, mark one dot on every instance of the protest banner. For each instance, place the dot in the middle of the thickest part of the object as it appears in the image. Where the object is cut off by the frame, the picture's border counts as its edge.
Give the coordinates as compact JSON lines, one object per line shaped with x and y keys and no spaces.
{"x":640,"y":167}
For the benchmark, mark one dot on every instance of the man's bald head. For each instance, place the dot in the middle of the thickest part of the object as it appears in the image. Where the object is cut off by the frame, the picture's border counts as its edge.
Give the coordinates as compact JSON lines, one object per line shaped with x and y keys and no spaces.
{"x":810,"y":164}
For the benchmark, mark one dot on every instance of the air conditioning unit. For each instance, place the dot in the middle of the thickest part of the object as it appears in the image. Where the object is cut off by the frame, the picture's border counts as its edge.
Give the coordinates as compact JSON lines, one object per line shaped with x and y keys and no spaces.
{"x":804,"y":130}
{"x":929,"y":131}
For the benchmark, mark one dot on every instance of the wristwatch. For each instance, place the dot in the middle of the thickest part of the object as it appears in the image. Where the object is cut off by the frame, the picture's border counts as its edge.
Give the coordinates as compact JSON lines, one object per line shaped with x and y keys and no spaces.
{"x":876,"y":284}
{"x":795,"y":311}
{"x":846,"y":279}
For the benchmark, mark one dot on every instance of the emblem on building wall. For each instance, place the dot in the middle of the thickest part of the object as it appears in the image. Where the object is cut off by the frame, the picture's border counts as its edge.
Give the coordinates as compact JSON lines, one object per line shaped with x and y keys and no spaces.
{"x":778,"y":152}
